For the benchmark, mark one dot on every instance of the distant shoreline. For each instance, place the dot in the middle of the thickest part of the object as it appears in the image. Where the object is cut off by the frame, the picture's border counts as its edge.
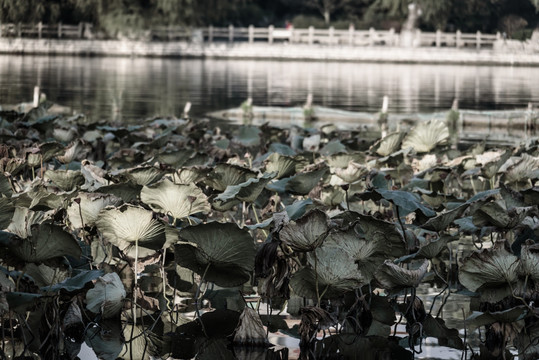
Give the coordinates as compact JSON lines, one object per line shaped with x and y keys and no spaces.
{"x":264,"y":51}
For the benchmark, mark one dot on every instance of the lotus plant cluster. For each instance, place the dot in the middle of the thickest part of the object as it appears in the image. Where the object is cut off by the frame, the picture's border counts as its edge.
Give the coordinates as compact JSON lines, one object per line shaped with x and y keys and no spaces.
{"x":175,"y":238}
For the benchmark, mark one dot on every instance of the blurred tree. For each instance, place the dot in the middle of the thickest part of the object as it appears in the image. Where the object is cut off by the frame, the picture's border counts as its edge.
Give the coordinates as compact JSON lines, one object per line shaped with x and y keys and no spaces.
{"x":326,"y":7}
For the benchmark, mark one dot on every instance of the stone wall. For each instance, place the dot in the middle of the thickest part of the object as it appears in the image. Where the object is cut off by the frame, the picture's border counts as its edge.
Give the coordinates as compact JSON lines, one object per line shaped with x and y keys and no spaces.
{"x":277,"y":51}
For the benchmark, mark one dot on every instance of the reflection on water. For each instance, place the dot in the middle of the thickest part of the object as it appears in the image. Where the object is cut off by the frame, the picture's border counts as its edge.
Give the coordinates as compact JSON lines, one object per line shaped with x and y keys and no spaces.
{"x":127,"y":89}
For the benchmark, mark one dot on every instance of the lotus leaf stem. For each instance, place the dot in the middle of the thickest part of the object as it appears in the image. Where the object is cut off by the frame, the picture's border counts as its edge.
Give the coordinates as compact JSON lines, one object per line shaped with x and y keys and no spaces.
{"x":465,"y":351}
{"x":197,"y":295}
{"x":258,"y":220}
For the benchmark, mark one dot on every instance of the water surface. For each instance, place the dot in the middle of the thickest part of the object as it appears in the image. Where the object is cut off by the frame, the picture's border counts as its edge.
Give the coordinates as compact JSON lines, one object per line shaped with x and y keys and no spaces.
{"x":127,"y":89}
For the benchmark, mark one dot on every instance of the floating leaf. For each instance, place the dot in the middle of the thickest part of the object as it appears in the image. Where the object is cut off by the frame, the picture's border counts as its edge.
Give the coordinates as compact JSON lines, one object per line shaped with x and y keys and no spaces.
{"x":176,"y":200}
{"x":222,"y":253}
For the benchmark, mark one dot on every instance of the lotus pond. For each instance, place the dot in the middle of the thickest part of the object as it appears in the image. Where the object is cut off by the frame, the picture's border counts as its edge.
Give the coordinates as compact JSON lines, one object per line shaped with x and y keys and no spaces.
{"x":177,"y":239}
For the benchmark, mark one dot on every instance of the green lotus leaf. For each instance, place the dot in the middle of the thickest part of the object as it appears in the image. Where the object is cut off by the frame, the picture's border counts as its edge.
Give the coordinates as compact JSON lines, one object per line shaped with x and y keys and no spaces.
{"x":477,"y":318}
{"x":298,"y":208}
{"x":24,"y":218}
{"x":106,"y":298}
{"x":76,"y":282}
{"x":250,"y":330}
{"x":12,"y":166}
{"x":526,"y":342}
{"x":144,"y":175}
{"x":199,"y":159}
{"x":65,"y":180}
{"x":303,"y":183}
{"x":106,"y":339}
{"x":47,"y":241}
{"x":49,"y":150}
{"x":341,"y":160}
{"x":426,"y":136}
{"x":175,"y":158}
{"x":39,"y":198}
{"x":7,"y":210}
{"x":388,"y":144}
{"x":332,"y":195}
{"x":190,"y":175}
{"x":366,"y":253}
{"x":444,"y":219}
{"x":281,"y":149}
{"x":44,"y":275}
{"x":432,"y":198}
{"x":222,"y":253}
{"x":433,"y":247}
{"x":491,"y":162}
{"x":531,"y":196}
{"x":335,"y":271}
{"x":307,"y":233}
{"x":494,"y":267}
{"x":496,"y":214}
{"x":224,"y":175}
{"x":435,"y":327}
{"x":176,"y":200}
{"x":284,"y":165}
{"x":393,"y":277}
{"x":333,"y":147}
{"x":352,"y":173}
{"x":128,"y":191}
{"x":407,"y":202}
{"x":385,"y":232}
{"x":72,"y":152}
{"x":21,"y":302}
{"x":5,"y":187}
{"x":85,"y":210}
{"x":130,"y":225}
{"x":247,"y":191}
{"x":248,"y":136}
{"x":529,"y":262}
{"x":524,"y":169}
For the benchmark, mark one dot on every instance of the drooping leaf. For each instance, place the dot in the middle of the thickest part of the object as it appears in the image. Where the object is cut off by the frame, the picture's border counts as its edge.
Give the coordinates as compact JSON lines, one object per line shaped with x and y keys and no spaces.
{"x":388,"y":144}
{"x":222,"y":253}
{"x":76,"y":282}
{"x":394,"y":277}
{"x":7,"y":210}
{"x":65,"y":180}
{"x":384,"y":232}
{"x":303,"y":183}
{"x":106,"y":298}
{"x":283,"y":165}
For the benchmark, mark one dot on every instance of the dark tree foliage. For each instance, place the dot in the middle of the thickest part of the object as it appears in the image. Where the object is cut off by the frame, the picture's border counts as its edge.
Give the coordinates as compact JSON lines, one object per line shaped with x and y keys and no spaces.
{"x":120,"y":16}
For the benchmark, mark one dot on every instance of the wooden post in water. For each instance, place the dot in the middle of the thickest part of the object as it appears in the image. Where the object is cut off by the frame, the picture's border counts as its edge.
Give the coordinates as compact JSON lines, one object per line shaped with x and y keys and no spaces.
{"x":478,"y":40}
{"x":438,"y":38}
{"x":270,"y":34}
{"x":19,"y":29}
{"x":372,"y":35}
{"x":81,"y":30}
{"x":251,"y":34}
{"x":458,"y":40}
{"x":383,"y":119}
{"x":60,"y":30}
{"x":230,"y":33}
{"x":39,"y":30}
{"x":311,"y":35}
{"x":36,"y":96}
{"x":351,"y":31}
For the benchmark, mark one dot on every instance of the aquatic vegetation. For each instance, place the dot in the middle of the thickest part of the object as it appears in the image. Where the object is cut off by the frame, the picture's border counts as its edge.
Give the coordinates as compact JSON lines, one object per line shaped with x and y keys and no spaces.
{"x":173,"y":238}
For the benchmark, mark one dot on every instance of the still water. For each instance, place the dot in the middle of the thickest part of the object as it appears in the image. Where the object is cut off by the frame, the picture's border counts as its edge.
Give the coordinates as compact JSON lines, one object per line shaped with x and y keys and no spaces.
{"x":125,"y":89}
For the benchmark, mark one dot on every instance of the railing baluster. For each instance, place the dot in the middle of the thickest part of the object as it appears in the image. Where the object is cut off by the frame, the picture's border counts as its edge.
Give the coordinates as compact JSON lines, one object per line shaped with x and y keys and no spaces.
{"x":230,"y":33}
{"x":270,"y":34}
{"x":351,"y":30}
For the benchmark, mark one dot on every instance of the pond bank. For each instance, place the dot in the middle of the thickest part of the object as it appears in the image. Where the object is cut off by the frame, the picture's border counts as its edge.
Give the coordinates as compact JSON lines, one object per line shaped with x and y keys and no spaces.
{"x":276,"y":51}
